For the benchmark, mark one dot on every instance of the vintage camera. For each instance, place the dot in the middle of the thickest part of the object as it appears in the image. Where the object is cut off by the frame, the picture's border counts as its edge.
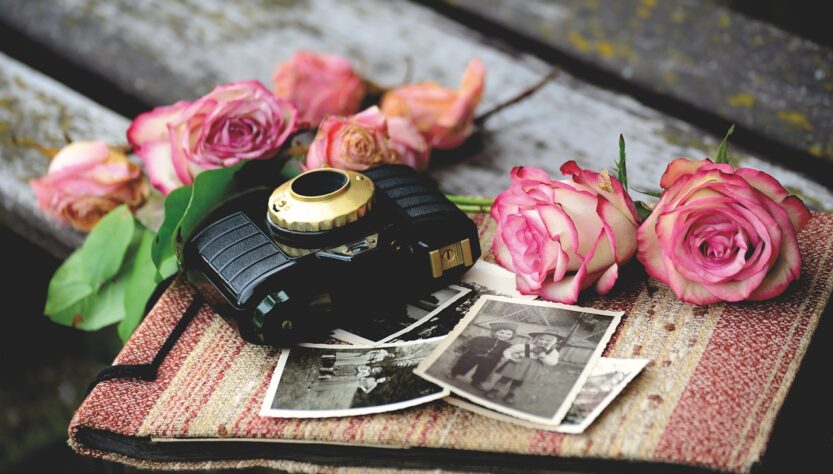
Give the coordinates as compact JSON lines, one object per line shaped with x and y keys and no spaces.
{"x":325,"y":247}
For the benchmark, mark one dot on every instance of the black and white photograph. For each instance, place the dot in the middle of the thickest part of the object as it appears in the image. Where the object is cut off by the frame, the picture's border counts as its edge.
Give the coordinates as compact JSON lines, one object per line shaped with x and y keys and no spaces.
{"x":388,"y":327}
{"x":528,"y":359}
{"x":607,"y":380}
{"x":484,"y":278}
{"x":321,"y":380}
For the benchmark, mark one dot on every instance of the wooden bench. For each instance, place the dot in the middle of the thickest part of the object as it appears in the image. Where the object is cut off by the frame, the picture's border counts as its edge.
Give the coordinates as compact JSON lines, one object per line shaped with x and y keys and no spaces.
{"x":148,"y":56}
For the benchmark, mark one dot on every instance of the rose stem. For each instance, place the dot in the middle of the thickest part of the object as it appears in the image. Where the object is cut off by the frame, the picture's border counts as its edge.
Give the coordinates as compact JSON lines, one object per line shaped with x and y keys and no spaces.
{"x":513,"y":100}
{"x":476,"y":201}
{"x":471,"y":208}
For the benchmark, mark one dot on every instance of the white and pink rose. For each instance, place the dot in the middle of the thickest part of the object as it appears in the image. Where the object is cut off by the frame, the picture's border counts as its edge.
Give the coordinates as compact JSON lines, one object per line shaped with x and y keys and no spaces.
{"x":85,"y":181}
{"x":560,"y":237}
{"x":234,"y":122}
{"x":443,"y":116}
{"x":722,"y":234}
{"x":319,"y":85}
{"x":366,"y":140}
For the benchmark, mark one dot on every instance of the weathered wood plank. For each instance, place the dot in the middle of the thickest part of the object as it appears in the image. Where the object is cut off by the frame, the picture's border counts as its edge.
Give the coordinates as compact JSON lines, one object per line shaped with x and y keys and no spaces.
{"x":36,"y":112}
{"x":567,"y":120}
{"x":699,"y":52}
{"x":164,"y":51}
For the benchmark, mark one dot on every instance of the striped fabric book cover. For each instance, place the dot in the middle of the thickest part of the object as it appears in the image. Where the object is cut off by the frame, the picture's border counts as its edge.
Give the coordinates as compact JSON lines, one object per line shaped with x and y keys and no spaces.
{"x":709,"y":398}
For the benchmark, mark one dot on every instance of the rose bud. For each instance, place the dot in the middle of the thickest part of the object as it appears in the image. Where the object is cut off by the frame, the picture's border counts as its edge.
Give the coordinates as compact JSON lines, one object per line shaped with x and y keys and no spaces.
{"x":85,"y":181}
{"x":234,"y":122}
{"x":444,"y":117}
{"x":363,"y":141}
{"x":319,"y":85}
{"x":560,"y":237}
{"x":722,"y":234}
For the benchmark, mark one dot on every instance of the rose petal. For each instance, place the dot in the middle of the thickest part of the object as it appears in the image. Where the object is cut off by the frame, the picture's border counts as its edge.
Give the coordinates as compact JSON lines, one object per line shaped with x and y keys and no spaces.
{"x":590,"y":181}
{"x":159,"y":165}
{"x":79,"y":155}
{"x":567,"y":289}
{"x":153,"y":125}
{"x":607,"y":280}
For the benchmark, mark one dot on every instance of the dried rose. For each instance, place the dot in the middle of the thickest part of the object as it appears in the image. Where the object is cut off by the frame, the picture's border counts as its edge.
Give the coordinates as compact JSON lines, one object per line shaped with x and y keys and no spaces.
{"x":85,"y":181}
{"x":366,"y":140}
{"x":234,"y":122}
{"x":560,"y":237}
{"x":722,"y":234}
{"x":319,"y":85}
{"x":444,"y":116}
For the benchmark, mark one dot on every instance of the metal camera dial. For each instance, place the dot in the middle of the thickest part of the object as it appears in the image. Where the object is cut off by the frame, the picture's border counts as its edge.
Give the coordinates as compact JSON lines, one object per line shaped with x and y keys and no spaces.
{"x":319,"y":200}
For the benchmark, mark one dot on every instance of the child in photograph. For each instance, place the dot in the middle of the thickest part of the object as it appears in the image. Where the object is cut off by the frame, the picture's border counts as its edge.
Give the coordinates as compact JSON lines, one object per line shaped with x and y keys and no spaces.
{"x":483,"y":353}
{"x":524,"y":362}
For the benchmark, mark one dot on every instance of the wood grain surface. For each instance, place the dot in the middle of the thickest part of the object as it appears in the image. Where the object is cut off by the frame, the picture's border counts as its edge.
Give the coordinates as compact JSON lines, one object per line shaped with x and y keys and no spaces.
{"x":700,"y":53}
{"x":164,"y":51}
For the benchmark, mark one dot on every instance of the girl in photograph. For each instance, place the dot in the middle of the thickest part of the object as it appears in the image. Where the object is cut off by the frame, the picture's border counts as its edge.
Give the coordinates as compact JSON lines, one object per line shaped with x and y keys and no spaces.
{"x":524,"y":362}
{"x":484,"y":353}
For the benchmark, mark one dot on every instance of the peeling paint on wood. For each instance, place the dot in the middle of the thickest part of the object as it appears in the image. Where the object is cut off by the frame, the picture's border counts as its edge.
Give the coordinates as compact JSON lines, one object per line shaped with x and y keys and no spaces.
{"x":748,"y":72}
{"x":164,"y":51}
{"x":152,"y":56}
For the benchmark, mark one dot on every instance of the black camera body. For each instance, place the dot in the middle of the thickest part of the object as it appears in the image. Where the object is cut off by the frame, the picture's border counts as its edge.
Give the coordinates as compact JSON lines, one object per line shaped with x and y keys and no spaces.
{"x":325,"y":247}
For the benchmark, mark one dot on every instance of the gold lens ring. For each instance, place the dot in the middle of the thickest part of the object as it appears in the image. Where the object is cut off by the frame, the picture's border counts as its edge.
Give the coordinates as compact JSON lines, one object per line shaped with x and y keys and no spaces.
{"x":321,"y":199}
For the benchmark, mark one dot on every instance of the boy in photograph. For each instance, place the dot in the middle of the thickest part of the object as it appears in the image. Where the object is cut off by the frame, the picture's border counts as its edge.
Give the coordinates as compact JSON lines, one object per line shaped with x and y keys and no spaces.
{"x":483,"y":353}
{"x":524,"y":362}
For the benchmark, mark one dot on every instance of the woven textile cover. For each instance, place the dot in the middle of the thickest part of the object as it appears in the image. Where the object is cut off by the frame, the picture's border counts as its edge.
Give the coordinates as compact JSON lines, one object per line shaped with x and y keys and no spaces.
{"x":709,"y":398}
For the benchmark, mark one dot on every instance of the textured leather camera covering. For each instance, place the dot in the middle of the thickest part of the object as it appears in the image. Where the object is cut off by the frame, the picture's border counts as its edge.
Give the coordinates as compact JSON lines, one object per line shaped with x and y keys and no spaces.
{"x":718,"y":377}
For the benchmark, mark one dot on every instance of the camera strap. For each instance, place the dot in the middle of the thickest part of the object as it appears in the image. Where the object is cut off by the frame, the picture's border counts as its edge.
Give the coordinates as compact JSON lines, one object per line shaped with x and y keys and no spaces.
{"x":149,"y":370}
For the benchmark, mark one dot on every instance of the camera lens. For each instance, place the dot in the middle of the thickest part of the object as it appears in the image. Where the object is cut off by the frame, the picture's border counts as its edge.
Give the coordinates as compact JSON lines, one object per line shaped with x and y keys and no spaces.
{"x":318,"y":184}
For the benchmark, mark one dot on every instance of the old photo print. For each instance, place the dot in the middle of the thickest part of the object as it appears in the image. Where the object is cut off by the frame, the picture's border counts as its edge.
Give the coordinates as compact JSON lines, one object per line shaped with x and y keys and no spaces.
{"x":607,"y":380}
{"x":528,"y":359}
{"x":389,"y":327}
{"x":321,"y":380}
{"x":482,"y":279}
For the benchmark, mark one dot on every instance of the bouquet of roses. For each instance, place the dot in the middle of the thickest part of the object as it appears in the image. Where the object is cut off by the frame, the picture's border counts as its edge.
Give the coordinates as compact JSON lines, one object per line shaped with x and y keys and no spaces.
{"x":197,"y":154}
{"x":716,"y":234}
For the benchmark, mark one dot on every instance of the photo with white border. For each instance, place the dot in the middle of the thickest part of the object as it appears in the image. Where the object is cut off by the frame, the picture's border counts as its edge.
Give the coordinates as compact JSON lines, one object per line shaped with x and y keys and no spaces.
{"x":324,"y":380}
{"x":524,"y":358}
{"x":483,"y":278}
{"x":607,"y":380}
{"x":390,"y":326}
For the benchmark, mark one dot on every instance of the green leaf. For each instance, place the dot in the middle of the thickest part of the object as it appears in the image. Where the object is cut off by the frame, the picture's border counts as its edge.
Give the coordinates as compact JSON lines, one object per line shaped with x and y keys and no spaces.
{"x":68,"y":285}
{"x":722,"y":155}
{"x":621,"y":165}
{"x":100,"y":309}
{"x":140,"y":285}
{"x":211,"y":188}
{"x":656,"y":194}
{"x":184,"y":209}
{"x":643,"y":209}
{"x":175,"y":205}
{"x":93,"y":264}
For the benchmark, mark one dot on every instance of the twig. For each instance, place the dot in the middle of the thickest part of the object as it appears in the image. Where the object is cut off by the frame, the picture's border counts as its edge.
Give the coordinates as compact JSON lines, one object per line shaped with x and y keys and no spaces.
{"x":514,"y":100}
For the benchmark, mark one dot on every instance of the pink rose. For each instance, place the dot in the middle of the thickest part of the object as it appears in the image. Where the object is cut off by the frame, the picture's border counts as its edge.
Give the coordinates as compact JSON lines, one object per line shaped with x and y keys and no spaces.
{"x":85,"y":181}
{"x":444,"y":117}
{"x":722,"y":234}
{"x":407,"y":143}
{"x":560,"y":237}
{"x":319,"y":85}
{"x":234,"y":122}
{"x":366,"y":140}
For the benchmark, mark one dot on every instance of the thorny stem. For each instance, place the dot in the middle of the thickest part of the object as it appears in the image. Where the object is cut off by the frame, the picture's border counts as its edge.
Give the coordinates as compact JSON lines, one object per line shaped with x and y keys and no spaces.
{"x":514,"y":100}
